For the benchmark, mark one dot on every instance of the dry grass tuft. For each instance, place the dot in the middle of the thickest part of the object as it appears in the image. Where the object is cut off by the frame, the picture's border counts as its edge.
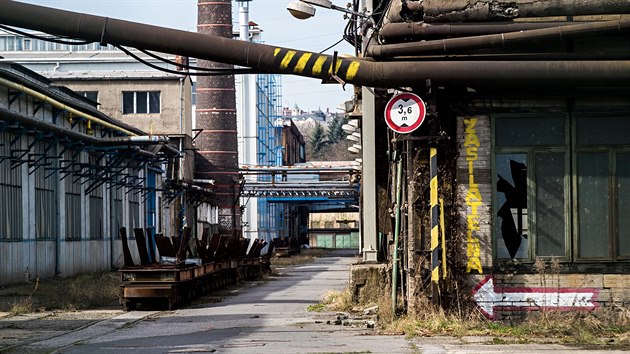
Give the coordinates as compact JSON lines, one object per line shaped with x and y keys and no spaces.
{"x":75,"y":293}
{"x":340,"y":301}
{"x":608,"y":327}
{"x":21,"y":307}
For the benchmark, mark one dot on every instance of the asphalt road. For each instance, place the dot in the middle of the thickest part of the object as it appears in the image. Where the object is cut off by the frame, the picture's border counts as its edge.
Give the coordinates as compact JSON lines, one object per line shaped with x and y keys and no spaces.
{"x":265,"y":317}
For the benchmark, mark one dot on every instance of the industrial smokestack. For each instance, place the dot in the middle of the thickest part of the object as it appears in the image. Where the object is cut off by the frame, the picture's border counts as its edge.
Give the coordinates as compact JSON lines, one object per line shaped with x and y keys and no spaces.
{"x":217,"y":157}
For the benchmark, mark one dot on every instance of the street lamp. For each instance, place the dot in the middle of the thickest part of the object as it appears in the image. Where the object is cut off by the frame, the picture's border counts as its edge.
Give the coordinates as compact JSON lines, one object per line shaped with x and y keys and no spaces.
{"x":303,"y":9}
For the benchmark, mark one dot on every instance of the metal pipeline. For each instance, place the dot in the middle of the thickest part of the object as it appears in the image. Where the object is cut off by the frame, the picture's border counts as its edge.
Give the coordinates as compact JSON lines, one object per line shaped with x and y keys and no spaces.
{"x":455,"y":45}
{"x":404,"y":31}
{"x":270,"y":59}
{"x":399,"y":166}
{"x":485,"y":10}
{"x":11,"y":116}
{"x":55,"y":103}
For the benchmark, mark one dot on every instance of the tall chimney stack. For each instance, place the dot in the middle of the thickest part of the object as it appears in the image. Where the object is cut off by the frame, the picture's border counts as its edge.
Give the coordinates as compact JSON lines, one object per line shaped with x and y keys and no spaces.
{"x":217,"y":157}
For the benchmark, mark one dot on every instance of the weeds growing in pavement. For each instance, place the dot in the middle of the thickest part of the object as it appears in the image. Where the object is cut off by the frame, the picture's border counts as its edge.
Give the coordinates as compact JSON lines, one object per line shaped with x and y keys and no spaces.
{"x":609,"y":327}
{"x":74,"y":293}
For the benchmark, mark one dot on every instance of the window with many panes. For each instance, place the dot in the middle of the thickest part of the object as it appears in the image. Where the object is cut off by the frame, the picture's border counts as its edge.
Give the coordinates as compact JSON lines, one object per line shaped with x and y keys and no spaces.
{"x":117,"y":210}
{"x":141,"y":102}
{"x":10,"y":190}
{"x":95,"y":194}
{"x":45,"y":190}
{"x":71,"y":159}
{"x":90,"y":95}
{"x":562,"y":187}
{"x":134,"y":199}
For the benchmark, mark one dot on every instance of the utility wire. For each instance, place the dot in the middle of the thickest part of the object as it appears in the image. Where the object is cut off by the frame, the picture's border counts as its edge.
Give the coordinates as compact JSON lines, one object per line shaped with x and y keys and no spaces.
{"x":47,"y":39}
{"x":208,"y":71}
{"x":176,"y":72}
{"x":185,"y":66}
{"x":339,"y":41}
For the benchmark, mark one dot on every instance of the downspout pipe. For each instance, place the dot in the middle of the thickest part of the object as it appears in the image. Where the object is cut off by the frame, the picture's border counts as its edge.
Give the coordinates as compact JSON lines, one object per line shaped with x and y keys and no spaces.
{"x":458,"y":45}
{"x":271,"y":59}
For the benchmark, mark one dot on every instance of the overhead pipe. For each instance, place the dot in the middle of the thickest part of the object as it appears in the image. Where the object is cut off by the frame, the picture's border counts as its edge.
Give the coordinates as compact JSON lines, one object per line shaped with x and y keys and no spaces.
{"x":492,"y":10}
{"x":271,"y":59}
{"x":402,"y":31}
{"x":456,"y":45}
{"x":62,"y":106}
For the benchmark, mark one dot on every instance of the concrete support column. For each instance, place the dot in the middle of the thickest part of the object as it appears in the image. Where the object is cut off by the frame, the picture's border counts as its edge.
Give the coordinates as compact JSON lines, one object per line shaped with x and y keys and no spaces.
{"x":369,"y":226}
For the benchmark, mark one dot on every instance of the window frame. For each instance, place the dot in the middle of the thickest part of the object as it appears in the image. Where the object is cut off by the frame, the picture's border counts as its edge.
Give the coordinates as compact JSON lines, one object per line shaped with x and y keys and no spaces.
{"x":531,"y":153}
{"x":11,"y":184}
{"x":611,"y":150}
{"x":135,"y":103}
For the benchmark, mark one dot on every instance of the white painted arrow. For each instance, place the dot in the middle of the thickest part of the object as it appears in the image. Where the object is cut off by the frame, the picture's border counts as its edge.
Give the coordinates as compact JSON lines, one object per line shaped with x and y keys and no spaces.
{"x":528,"y":299}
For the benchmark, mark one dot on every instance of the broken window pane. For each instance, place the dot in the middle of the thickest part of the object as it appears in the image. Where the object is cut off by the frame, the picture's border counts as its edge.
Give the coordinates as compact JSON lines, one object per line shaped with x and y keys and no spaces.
{"x":512,"y":226}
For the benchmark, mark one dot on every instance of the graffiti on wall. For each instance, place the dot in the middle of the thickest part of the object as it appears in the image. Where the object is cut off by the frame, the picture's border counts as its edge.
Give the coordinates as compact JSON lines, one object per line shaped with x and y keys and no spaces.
{"x":490,"y":298}
{"x":473,"y":198}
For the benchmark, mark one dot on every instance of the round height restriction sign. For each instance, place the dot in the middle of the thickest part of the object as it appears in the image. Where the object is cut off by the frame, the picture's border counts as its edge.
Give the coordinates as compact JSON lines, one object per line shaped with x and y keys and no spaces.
{"x":405,"y":112}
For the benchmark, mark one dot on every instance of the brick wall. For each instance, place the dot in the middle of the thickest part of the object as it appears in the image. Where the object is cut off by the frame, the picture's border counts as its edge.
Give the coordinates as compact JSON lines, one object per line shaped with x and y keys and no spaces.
{"x":474,"y":178}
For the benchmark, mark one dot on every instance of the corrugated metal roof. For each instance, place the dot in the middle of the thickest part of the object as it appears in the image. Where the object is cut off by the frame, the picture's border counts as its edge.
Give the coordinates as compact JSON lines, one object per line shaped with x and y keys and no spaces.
{"x":32,"y":80}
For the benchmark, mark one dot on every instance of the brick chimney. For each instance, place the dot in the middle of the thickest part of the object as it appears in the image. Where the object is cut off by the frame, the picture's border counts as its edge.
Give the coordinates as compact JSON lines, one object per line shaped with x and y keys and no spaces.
{"x":217,"y":156}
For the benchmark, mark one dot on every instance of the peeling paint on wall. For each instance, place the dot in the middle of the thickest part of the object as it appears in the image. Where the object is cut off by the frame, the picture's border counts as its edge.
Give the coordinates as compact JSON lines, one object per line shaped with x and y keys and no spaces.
{"x":473,"y":198}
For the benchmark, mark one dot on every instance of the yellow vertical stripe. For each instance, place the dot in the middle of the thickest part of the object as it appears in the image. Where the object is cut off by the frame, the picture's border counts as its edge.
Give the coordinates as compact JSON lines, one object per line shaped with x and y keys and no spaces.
{"x":276,"y":51}
{"x":317,"y":67}
{"x":287,"y":59}
{"x":443,"y":232}
{"x":301,"y":64}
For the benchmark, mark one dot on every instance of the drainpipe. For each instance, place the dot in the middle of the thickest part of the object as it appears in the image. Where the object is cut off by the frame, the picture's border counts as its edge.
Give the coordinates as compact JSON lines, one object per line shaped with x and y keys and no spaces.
{"x":399,"y":166}
{"x":181,"y":105}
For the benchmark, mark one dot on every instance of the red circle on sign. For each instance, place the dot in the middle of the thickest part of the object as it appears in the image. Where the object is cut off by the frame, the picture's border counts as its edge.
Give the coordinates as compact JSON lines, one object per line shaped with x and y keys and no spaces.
{"x":405,"y":112}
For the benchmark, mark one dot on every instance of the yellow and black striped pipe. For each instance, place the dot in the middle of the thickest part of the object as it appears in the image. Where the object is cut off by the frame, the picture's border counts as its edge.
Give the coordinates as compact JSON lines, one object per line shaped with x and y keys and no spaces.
{"x":435,"y":252}
{"x":312,"y":64}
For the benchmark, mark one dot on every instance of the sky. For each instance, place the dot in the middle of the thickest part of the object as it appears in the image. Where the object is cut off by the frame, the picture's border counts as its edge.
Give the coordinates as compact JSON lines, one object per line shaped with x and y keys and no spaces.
{"x":279,"y":28}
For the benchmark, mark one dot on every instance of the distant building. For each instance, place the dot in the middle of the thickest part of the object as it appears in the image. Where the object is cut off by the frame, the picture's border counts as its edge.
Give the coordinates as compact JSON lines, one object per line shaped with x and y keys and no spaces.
{"x":293,"y":144}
